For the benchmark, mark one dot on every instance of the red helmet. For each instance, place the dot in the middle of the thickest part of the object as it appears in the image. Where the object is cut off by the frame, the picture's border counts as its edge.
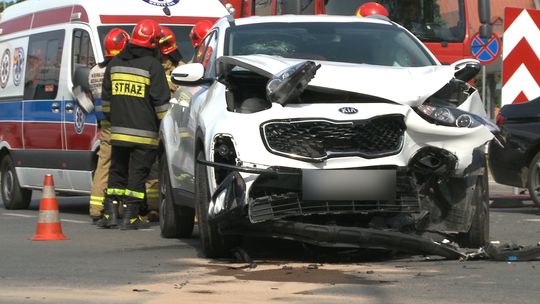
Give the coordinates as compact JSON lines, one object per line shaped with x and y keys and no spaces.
{"x":146,"y":33}
{"x":199,"y":30}
{"x":371,"y":8}
{"x":167,"y":43}
{"x":115,"y":41}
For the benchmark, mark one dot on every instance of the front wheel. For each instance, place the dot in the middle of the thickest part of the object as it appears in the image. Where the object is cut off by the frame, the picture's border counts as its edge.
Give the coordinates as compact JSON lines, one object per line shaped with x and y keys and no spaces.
{"x":533,"y":180}
{"x":478,"y":234}
{"x":174,"y":221}
{"x":13,"y":196}
{"x":214,"y":244}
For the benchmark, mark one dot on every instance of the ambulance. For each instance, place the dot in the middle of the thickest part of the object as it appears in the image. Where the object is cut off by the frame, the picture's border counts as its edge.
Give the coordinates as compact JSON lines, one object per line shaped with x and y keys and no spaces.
{"x":42,"y":44}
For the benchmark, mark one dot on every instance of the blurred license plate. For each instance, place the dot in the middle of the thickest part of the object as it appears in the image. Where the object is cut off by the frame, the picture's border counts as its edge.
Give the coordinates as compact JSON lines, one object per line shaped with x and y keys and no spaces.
{"x":361,"y":185}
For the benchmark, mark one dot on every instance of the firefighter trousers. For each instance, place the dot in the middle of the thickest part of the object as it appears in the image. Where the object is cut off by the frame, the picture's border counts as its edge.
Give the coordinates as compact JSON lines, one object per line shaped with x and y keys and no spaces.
{"x":101,"y":175}
{"x":130,"y":167}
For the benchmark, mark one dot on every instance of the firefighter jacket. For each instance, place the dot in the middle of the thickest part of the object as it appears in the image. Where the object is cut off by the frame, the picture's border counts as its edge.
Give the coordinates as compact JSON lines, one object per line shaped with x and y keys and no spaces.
{"x":95,"y":80}
{"x":135,"y":87}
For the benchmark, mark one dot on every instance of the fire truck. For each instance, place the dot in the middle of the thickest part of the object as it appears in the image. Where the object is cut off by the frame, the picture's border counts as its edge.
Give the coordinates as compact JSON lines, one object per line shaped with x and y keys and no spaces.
{"x":444,"y":26}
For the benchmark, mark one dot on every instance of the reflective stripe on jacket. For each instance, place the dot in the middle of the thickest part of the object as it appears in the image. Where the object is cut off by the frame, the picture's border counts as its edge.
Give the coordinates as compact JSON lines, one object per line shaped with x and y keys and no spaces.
{"x":135,"y":97}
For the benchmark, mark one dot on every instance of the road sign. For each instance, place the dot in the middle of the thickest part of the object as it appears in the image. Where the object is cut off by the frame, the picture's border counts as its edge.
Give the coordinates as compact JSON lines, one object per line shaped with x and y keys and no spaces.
{"x":521,"y":53}
{"x":486,"y":50}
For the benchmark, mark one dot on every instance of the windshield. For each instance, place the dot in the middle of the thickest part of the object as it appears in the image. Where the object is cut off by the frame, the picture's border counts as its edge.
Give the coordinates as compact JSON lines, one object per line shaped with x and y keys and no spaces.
{"x":181,"y":33}
{"x":429,"y":20}
{"x":355,"y":42}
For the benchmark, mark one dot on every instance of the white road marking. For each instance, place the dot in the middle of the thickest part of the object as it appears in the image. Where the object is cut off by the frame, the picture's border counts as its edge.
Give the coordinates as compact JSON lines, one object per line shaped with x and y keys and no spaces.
{"x":75,"y":221}
{"x":19,"y":215}
{"x":34,"y":216}
{"x":531,"y":220}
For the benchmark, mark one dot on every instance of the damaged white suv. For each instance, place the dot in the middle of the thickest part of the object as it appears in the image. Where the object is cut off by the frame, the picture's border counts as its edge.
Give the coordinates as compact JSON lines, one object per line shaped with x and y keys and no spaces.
{"x":334,"y":131}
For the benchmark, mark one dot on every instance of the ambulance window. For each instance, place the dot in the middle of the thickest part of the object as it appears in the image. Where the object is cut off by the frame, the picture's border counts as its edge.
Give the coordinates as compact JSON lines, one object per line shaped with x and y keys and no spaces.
{"x":82,"y":52}
{"x":263,"y":7}
{"x":43,"y":65}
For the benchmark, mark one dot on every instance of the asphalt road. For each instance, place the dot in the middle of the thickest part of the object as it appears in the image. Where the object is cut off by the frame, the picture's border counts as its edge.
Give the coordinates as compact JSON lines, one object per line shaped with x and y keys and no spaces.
{"x":111,"y":266}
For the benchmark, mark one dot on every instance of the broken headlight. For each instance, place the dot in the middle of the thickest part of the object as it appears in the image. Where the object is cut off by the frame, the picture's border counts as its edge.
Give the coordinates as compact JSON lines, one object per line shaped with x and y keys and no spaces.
{"x":453,"y":117}
{"x":288,"y":84}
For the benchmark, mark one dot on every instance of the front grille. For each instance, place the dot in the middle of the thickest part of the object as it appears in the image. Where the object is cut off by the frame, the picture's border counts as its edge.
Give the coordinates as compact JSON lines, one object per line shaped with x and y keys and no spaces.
{"x":290,"y":204}
{"x":317,"y":140}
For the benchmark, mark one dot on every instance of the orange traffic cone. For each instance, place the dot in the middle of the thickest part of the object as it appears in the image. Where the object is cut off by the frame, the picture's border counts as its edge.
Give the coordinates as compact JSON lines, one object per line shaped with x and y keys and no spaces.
{"x":48,"y":227}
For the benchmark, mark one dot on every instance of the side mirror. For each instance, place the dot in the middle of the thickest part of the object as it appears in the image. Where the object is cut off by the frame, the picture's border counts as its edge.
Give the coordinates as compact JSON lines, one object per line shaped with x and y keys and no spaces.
{"x":188,"y":74}
{"x":466,"y":69}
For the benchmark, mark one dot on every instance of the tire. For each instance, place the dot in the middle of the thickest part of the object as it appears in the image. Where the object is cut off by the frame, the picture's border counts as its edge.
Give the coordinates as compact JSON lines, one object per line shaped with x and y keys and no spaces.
{"x":533,"y":180}
{"x":214,"y":245}
{"x":478,"y":234}
{"x":13,"y":196}
{"x":174,"y":221}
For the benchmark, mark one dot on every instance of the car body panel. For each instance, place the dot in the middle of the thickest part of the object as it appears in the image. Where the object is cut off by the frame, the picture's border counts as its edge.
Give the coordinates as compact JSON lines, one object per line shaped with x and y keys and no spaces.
{"x":412,"y":85}
{"x":520,"y":141}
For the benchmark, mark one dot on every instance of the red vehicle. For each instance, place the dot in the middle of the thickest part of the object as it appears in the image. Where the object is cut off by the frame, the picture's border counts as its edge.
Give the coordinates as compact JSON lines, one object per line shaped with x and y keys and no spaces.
{"x":443,"y":25}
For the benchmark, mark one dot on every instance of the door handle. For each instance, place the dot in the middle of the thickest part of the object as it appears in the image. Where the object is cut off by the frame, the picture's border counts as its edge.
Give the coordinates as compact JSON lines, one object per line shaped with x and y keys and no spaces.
{"x":69,"y":107}
{"x":55,"y":107}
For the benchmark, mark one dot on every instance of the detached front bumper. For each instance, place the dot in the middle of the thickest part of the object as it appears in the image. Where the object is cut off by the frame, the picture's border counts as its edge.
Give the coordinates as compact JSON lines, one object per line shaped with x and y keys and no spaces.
{"x":278,"y":216}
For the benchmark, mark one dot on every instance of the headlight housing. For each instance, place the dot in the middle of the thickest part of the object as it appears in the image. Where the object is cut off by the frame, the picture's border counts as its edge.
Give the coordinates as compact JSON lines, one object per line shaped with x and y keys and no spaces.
{"x":453,"y":117}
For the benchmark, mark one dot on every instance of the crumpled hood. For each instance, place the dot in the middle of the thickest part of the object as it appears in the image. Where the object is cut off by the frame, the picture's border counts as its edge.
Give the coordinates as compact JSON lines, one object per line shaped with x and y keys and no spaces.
{"x":408,"y":86}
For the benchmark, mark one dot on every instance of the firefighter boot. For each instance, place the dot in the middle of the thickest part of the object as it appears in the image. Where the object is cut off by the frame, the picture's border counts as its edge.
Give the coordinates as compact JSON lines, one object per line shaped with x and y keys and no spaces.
{"x":110,"y":215}
{"x":131,"y":219}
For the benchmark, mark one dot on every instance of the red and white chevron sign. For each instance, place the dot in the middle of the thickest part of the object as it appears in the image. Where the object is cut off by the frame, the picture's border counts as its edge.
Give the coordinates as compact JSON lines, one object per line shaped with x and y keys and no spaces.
{"x":521,"y":52}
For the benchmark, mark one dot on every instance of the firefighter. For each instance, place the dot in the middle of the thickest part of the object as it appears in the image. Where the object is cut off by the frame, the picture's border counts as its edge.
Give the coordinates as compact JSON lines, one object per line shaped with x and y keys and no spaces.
{"x":171,"y":56}
{"x":115,"y":41}
{"x":371,"y":8}
{"x":135,"y":85}
{"x":197,"y":34}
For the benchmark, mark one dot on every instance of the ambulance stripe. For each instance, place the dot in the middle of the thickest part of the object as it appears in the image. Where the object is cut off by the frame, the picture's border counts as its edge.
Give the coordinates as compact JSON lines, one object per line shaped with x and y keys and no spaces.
{"x":43,"y":18}
{"x":136,"y":132}
{"x":128,"y":70}
{"x":129,"y":77}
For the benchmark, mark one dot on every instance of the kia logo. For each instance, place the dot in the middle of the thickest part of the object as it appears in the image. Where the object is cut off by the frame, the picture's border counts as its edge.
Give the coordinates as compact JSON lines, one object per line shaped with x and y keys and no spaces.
{"x":348,"y":110}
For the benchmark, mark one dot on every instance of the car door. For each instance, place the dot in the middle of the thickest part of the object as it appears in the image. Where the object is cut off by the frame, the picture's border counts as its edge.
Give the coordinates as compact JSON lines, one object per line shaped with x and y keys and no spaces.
{"x":190,"y":99}
{"x":80,"y":128}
